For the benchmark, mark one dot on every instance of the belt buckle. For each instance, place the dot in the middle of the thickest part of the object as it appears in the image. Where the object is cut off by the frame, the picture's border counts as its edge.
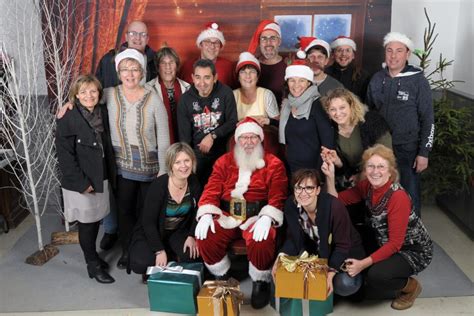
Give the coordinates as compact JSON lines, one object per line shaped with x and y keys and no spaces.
{"x":238,"y":208}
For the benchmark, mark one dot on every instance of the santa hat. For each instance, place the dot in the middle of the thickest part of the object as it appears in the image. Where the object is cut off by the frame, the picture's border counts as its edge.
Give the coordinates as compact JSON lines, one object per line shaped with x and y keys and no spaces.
{"x":248,"y":125}
{"x":263,"y":26}
{"x":308,"y":42}
{"x":398,"y":37}
{"x":344,"y":41}
{"x":299,"y":69}
{"x":245,"y":59}
{"x":130,"y":53}
{"x":211,"y":29}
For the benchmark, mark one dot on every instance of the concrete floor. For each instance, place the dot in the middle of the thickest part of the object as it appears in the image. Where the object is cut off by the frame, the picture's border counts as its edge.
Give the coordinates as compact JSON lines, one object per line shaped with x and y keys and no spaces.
{"x":441,"y":228}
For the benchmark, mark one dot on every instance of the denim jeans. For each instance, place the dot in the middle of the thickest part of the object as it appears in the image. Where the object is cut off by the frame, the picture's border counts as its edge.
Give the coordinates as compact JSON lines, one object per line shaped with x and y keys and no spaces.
{"x":110,"y":221}
{"x":409,"y":178}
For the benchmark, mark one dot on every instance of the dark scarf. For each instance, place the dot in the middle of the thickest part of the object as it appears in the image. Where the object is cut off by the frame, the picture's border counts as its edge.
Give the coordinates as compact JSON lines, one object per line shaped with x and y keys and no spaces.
{"x":94,"y":119}
{"x":171,"y":108}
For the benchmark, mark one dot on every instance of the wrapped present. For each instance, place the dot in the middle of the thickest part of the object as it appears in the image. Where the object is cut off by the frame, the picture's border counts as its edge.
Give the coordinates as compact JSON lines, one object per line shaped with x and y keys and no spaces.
{"x":174,"y":288}
{"x":301,"y":307}
{"x":301,"y":277}
{"x":220,"y":298}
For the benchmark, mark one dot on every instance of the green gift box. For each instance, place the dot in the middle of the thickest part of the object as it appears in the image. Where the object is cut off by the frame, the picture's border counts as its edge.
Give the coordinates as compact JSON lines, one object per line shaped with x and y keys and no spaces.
{"x":301,"y":307}
{"x":174,"y":288}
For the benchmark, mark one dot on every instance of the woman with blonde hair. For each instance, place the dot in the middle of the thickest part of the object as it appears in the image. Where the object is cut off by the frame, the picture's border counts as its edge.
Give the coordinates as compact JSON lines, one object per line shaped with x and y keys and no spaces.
{"x":403,"y":245}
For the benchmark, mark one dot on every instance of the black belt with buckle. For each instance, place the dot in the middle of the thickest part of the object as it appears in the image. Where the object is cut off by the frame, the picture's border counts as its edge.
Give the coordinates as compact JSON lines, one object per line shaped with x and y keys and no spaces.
{"x":242,"y":209}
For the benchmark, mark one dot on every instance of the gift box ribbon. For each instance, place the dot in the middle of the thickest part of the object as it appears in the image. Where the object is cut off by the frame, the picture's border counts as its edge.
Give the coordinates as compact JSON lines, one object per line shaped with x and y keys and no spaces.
{"x":223,"y":289}
{"x":306,"y":263}
{"x":174,"y":269}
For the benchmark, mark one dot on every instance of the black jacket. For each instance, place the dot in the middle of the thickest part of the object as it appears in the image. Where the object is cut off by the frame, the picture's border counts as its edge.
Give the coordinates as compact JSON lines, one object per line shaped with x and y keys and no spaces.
{"x":152,"y":223}
{"x":107,"y":74}
{"x":80,"y":156}
{"x":338,"y":239}
{"x":353,"y":79}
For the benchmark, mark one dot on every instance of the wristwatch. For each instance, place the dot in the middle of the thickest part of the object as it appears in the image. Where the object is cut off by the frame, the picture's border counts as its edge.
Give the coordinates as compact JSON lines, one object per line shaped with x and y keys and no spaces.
{"x":213,"y":135}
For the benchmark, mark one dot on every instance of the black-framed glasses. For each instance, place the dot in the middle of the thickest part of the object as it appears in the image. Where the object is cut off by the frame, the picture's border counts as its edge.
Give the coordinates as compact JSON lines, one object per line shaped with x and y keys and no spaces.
{"x":269,"y":38}
{"x":137,"y":34}
{"x":308,"y":189}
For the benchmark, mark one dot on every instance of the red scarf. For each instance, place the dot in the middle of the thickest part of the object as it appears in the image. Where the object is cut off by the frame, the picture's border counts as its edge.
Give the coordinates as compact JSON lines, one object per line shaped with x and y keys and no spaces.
{"x":171,"y":122}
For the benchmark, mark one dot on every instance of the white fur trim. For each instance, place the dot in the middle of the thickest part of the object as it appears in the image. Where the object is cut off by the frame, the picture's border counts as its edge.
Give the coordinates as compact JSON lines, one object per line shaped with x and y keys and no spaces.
{"x":260,"y":164}
{"x":259,"y":275}
{"x":220,"y":268}
{"x":301,"y":54}
{"x":248,"y":127}
{"x":228,"y":222}
{"x":242,"y":184}
{"x":248,"y":222}
{"x":299,"y":71}
{"x":208,"y":209}
{"x":130,"y":53}
{"x":246,"y":58}
{"x":273,"y":212}
{"x":398,"y":37}
{"x":274,"y":27}
{"x":208,"y":33}
{"x":319,"y":42}
{"x":344,"y":41}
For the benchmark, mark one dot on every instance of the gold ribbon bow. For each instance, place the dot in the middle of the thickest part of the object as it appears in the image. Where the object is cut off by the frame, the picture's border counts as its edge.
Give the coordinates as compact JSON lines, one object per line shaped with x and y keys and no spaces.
{"x":306,"y":264}
{"x":223,"y":289}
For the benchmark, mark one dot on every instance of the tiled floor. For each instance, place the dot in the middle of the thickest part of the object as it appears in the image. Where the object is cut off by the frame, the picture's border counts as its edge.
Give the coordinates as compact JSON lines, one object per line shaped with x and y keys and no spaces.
{"x":442,"y":229}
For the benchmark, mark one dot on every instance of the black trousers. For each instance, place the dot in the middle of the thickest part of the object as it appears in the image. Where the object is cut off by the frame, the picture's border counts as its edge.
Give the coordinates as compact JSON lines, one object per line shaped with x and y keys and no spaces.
{"x":141,"y":256}
{"x":390,"y":274}
{"x":87,"y":240}
{"x":130,"y":198}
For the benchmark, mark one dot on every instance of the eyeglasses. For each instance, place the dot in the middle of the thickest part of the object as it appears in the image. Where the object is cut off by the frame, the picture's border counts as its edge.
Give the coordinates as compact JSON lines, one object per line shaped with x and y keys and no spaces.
{"x":131,"y":70}
{"x":309,"y":189}
{"x":343,"y":50}
{"x":211,"y":43}
{"x":269,"y":38}
{"x":252,"y":138}
{"x":248,"y":72}
{"x":137,"y":34}
{"x":378,"y":167}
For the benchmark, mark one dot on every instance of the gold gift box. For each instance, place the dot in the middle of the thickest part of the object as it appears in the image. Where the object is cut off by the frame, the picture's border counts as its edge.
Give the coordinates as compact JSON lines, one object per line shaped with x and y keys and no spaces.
{"x":220,"y":298}
{"x":307,"y":279}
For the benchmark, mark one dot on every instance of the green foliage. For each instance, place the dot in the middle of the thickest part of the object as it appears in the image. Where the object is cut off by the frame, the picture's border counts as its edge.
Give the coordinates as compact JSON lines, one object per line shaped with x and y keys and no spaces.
{"x":451,"y":161}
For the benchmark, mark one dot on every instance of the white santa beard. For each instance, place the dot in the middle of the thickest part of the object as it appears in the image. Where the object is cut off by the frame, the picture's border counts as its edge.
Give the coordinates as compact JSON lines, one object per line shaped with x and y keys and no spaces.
{"x":245,"y":161}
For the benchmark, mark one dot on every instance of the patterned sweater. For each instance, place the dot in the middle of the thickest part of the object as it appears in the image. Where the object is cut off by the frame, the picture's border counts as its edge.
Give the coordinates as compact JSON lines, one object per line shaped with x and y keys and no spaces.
{"x":140,"y":134}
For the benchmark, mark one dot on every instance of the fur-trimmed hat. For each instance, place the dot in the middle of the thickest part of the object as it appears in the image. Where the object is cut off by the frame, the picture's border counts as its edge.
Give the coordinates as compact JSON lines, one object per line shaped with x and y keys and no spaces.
{"x":398,"y":37}
{"x":211,"y":29}
{"x":299,"y":69}
{"x":245,"y":59}
{"x":263,"y":26}
{"x":130,"y":53}
{"x":248,"y":125}
{"x":308,"y":42}
{"x":344,"y":40}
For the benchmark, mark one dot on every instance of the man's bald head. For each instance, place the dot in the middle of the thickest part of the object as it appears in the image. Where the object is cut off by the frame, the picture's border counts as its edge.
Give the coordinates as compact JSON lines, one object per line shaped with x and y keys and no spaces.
{"x":137,"y":35}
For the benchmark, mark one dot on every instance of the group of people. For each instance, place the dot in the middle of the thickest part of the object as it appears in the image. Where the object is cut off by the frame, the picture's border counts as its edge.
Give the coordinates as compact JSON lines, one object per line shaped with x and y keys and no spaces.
{"x":178,"y":169}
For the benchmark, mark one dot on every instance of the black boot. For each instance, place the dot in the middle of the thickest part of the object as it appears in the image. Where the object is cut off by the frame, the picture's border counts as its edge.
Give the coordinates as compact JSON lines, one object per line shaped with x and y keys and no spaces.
{"x":260,"y":294}
{"x":108,"y":241}
{"x":123,"y":261}
{"x":103,"y":264}
{"x":97,"y":272}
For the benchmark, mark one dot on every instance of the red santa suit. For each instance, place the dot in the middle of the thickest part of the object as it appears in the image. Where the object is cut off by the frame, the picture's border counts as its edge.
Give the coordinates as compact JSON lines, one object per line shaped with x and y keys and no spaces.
{"x":267,"y":183}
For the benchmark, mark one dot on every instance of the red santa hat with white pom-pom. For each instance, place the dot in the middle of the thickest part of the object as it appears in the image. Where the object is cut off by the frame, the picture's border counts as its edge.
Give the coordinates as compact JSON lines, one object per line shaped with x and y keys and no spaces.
{"x":263,"y":26}
{"x":248,"y":125}
{"x":211,"y":29}
{"x":344,"y":41}
{"x":308,"y":42}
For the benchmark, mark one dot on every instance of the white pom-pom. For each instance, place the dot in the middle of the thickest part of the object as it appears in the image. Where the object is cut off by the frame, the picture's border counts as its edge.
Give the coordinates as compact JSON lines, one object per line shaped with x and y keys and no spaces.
{"x":260,"y":164}
{"x":214,"y":26}
{"x":301,"y":54}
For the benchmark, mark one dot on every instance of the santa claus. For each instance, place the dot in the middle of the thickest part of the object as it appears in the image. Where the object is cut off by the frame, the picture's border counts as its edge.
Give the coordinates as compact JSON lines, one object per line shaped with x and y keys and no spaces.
{"x":243,"y":199}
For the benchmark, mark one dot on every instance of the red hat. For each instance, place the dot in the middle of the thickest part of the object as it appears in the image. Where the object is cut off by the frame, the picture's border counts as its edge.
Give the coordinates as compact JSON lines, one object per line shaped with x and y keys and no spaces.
{"x":298,"y":68}
{"x":211,"y":29}
{"x":263,"y":26}
{"x":344,"y":40}
{"x":245,"y":59}
{"x":248,"y":125}
{"x":308,"y":42}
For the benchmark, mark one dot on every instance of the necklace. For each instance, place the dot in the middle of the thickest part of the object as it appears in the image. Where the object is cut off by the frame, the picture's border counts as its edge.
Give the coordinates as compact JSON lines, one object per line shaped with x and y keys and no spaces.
{"x":178,"y":187}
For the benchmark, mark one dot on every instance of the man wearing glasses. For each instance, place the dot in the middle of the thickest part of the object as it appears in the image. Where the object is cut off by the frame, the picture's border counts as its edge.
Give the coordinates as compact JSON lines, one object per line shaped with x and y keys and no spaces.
{"x":136,"y":37}
{"x":210,"y":42}
{"x":265,"y":44}
{"x":243,"y":198}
